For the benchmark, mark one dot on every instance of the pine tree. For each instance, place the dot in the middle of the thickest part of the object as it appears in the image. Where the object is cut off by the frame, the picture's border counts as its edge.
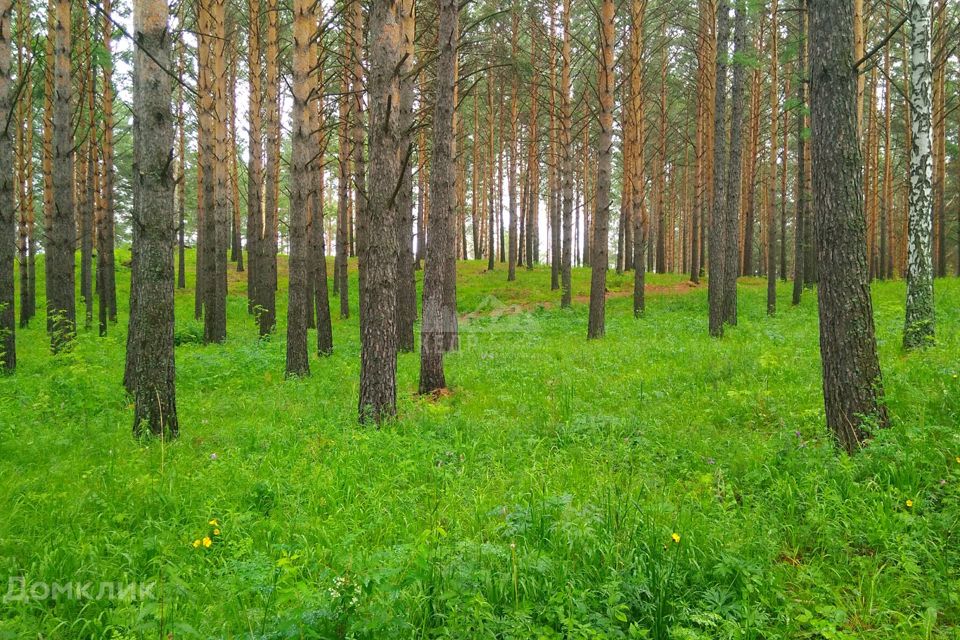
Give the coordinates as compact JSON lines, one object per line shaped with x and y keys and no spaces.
{"x":152,"y":279}
{"x":852,"y":384}
{"x":438,"y":318}
{"x":8,"y":209}
{"x":61,"y":236}
{"x":599,"y":263}
{"x":377,"y":248}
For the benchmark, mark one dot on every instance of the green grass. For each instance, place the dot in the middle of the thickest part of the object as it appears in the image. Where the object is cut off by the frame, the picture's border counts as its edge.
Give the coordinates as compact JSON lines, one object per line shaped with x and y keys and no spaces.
{"x":537,"y":501}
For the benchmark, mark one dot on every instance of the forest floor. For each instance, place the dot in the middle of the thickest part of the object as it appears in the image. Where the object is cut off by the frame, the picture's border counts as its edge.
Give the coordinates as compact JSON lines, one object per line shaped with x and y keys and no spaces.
{"x":653,"y":484}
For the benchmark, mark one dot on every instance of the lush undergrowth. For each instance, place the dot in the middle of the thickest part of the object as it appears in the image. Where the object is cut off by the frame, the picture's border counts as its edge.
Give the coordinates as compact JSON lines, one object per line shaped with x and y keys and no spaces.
{"x":652,"y":484}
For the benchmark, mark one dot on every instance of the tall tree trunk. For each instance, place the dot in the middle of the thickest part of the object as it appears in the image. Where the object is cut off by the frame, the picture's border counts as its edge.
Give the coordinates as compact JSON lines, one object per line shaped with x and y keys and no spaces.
{"x":553,"y":169}
{"x":254,"y":156}
{"x":801,"y":223}
{"x":422,"y":198}
{"x":785,"y":154}
{"x":886,"y":210}
{"x":315,"y":228}
{"x":533,"y":159}
{"x":8,"y":209}
{"x":637,"y":134}
{"x":266,"y":244}
{"x":298,"y":361}
{"x":236,"y":237}
{"x":512,"y":151}
{"x":718,"y":227}
{"x":341,"y":281}
{"x":181,"y":181}
{"x":215,"y":181}
{"x":25,"y":171}
{"x":155,"y":407}
{"x":734,"y":168}
{"x":86,"y":167}
{"x":706,"y":57}
{"x":491,"y":146}
{"x":406,"y":272}
{"x":377,"y":231}
{"x":598,"y":280}
{"x":852,"y":383}
{"x":919,"y":328}
{"x":772,"y":177}
{"x":438,"y":319}
{"x":62,"y":229}
{"x":106,"y":264}
{"x":566,"y":170}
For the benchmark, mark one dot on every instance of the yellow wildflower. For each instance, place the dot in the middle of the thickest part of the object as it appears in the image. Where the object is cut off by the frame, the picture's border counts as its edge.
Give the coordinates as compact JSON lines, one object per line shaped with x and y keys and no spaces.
{"x":214,"y":523}
{"x":196,"y":544}
{"x":216,"y":532}
{"x":207,"y":542}
{"x":909,"y":503}
{"x":675,"y":537}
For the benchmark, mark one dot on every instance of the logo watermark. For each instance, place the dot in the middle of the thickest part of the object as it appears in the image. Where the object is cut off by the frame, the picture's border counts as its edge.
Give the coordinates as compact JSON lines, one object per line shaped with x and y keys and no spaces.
{"x":19,"y":589}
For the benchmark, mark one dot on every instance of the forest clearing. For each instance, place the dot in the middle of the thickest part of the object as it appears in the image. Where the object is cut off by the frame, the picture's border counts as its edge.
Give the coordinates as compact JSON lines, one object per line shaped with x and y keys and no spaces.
{"x":537,"y":499}
{"x":422,"y":319}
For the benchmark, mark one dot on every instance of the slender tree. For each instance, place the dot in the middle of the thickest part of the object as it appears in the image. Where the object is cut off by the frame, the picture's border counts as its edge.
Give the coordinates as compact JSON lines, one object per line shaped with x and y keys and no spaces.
{"x":376,"y":233}
{"x":8,"y":209}
{"x":770,"y":221}
{"x":512,"y":142}
{"x":254,"y":153}
{"x":315,"y":225}
{"x":919,"y":328}
{"x":344,"y":151}
{"x":298,"y":363}
{"x":566,"y":167}
{"x":718,"y":226}
{"x":800,"y":223}
{"x":735,"y":166}
{"x":61,"y":232}
{"x":491,"y":145}
{"x":267,"y":243}
{"x":438,"y":320}
{"x":23,"y":156}
{"x":152,"y":284}
{"x":852,"y":383}
{"x":406,"y":272}
{"x":599,"y":263}
{"x":636,"y":135}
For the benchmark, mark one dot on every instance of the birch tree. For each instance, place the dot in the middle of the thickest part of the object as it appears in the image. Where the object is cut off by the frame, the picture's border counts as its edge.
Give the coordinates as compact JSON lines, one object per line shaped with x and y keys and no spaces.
{"x":919,"y":328}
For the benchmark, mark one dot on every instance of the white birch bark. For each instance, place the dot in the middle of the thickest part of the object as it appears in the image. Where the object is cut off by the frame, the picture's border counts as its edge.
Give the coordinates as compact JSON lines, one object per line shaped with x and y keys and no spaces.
{"x":919,"y":327}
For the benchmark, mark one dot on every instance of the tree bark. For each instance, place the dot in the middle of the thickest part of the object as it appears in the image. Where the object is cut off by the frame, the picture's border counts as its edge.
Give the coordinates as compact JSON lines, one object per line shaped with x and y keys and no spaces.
{"x":341,"y":281}
{"x":637,"y":133}
{"x":62,"y":230}
{"x":852,"y":383}
{"x":8,"y":209}
{"x":735,"y":168}
{"x":254,"y":155}
{"x":919,"y":328}
{"x":772,"y":177}
{"x":298,"y":361}
{"x":376,"y":233}
{"x":566,"y":170}
{"x":152,"y":282}
{"x":266,"y":244}
{"x":513,"y":233}
{"x":718,"y":227}
{"x":799,"y":231}
{"x":599,"y":263}
{"x":406,"y":272}
{"x":438,"y":321}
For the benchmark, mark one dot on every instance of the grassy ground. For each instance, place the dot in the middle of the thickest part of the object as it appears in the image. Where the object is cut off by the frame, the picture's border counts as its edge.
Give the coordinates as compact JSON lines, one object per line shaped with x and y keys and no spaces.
{"x":539,"y":500}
